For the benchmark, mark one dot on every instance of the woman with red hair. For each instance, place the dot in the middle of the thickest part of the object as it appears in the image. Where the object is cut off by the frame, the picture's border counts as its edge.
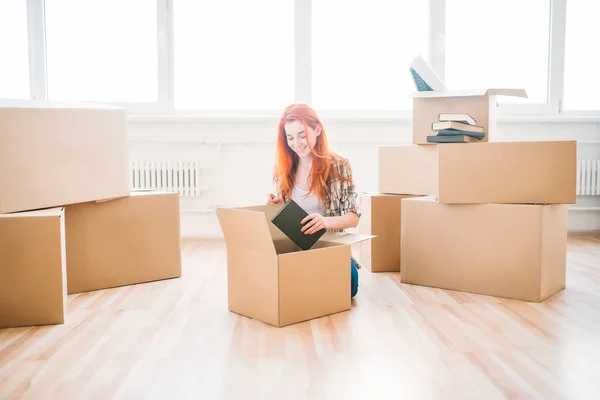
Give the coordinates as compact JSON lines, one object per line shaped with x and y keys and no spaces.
{"x":316,"y":177}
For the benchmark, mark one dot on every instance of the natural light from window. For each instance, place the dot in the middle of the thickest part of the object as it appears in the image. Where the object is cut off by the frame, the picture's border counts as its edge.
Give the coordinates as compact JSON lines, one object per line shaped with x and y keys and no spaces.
{"x":582,"y":63}
{"x":14,"y":67}
{"x":498,"y":44}
{"x":104,"y":51}
{"x":361,"y":52}
{"x":233,"y":54}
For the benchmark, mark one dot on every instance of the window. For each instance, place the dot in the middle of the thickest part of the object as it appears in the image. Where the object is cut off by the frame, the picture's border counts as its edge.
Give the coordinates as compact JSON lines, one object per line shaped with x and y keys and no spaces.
{"x":498,"y":44}
{"x":361,"y":52}
{"x":103,"y":51}
{"x":233,"y":54}
{"x":581,"y":61}
{"x":14,"y":68}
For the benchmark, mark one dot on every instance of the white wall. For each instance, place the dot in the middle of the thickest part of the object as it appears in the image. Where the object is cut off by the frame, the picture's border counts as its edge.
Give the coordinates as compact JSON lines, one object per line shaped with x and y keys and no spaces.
{"x":239,"y":156}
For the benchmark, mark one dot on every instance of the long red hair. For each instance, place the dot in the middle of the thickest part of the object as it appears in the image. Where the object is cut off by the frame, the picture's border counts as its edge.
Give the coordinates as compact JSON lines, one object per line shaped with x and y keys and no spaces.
{"x":286,"y":163}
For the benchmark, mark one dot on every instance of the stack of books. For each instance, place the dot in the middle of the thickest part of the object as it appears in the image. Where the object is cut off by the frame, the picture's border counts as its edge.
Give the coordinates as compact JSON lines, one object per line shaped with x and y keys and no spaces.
{"x":456,"y":128}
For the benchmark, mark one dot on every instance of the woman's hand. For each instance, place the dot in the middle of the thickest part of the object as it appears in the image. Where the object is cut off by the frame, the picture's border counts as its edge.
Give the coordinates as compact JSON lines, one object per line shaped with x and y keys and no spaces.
{"x":314,"y":222}
{"x":273,"y":199}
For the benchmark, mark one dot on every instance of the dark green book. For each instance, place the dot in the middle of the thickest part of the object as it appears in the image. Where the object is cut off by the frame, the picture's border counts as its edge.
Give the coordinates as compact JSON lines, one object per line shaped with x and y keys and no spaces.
{"x":451,"y":139}
{"x":289,"y":221}
{"x":453,"y":132}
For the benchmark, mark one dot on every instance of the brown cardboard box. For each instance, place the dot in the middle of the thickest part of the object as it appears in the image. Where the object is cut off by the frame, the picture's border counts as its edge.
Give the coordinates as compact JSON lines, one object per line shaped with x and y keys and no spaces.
{"x":479,"y":173}
{"x":515,"y":251}
{"x":408,"y":169}
{"x":479,"y":104}
{"x":125,"y":241}
{"x":271,"y":280}
{"x":53,"y":154}
{"x":33,"y":288}
{"x":381,"y":218}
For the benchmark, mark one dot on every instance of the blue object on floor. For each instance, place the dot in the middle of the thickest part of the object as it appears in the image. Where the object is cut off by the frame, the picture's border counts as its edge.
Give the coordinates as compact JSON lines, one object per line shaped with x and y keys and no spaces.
{"x":353,"y":279}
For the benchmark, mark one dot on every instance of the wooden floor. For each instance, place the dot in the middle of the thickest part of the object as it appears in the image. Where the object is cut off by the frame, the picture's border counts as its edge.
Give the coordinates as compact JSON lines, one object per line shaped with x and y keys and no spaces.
{"x":175,"y":339}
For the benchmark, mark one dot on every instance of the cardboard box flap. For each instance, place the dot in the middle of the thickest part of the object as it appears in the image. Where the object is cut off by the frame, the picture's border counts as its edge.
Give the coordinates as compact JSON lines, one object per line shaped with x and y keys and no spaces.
{"x":45,"y":212}
{"x":472,"y":92}
{"x":245,"y":229}
{"x":508,"y":92}
{"x":269,"y":211}
{"x":345,"y":238}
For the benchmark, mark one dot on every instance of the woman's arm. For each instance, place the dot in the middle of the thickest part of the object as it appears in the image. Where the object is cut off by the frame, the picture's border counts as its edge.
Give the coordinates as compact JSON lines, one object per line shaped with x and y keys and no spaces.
{"x":316,"y":222}
{"x":349,"y":220}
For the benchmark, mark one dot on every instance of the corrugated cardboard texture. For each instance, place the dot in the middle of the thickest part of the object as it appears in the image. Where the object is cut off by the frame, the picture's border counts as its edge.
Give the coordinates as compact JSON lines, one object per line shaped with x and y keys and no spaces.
{"x":313,"y":283}
{"x":508,"y":172}
{"x":381,"y":217}
{"x":408,"y":169}
{"x":32,"y":268}
{"x":253,"y":284}
{"x":481,"y":173}
{"x":269,"y":212}
{"x":503,"y":250}
{"x":57,"y":156}
{"x":426,"y":111}
{"x":125,"y":241}
{"x":554,"y":251}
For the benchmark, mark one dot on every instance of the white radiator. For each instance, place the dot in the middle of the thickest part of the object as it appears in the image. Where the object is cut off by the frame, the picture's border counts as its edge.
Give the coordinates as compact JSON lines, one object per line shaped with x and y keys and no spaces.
{"x":588,"y":178}
{"x":181,"y":176}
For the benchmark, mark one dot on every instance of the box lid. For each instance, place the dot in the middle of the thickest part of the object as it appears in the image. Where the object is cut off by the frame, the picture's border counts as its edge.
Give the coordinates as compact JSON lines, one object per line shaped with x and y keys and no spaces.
{"x":472,"y":92}
{"x":345,"y":237}
{"x":245,"y":229}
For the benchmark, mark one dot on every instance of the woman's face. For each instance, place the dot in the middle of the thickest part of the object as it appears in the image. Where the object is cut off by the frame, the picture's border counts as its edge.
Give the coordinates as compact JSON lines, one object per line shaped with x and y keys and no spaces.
{"x":298,"y":139}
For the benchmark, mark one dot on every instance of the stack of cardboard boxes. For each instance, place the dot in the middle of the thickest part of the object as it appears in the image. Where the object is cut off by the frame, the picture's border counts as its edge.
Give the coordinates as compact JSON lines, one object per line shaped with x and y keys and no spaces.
{"x":69,"y":222}
{"x":482,"y":217}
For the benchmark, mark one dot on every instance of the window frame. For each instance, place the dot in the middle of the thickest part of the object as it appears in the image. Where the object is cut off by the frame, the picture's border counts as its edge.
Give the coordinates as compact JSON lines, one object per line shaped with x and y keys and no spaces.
{"x":164,"y":107}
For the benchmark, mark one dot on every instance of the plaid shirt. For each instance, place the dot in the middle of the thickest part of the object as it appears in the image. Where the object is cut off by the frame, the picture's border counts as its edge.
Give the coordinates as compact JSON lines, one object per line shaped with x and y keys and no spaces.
{"x":343,"y":197}
{"x":342,"y":194}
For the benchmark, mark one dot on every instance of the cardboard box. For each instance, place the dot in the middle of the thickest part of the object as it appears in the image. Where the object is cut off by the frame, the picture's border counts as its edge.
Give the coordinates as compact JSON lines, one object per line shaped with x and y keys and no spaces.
{"x":408,"y":169}
{"x":381,"y":218}
{"x":479,"y":173}
{"x":271,"y":280}
{"x":125,"y":241}
{"x":33,"y":288}
{"x":52,"y":154}
{"x":515,"y":251}
{"x":479,"y":104}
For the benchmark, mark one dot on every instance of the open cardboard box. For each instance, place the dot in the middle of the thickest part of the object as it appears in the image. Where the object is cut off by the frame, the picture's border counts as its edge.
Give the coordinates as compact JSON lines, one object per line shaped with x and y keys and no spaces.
{"x":479,"y":104}
{"x":478,"y":173}
{"x":270,"y":279}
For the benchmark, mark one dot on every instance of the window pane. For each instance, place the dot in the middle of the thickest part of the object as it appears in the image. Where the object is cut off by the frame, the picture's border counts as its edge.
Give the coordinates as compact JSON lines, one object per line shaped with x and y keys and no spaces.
{"x":233,"y":54}
{"x":14,"y":68}
{"x":362,"y":51}
{"x":103,"y":51}
{"x":498,"y":44}
{"x":581,"y":61}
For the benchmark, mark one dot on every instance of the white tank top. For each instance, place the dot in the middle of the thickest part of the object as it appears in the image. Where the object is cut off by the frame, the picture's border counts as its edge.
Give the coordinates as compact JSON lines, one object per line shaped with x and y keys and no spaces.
{"x":310,"y":204}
